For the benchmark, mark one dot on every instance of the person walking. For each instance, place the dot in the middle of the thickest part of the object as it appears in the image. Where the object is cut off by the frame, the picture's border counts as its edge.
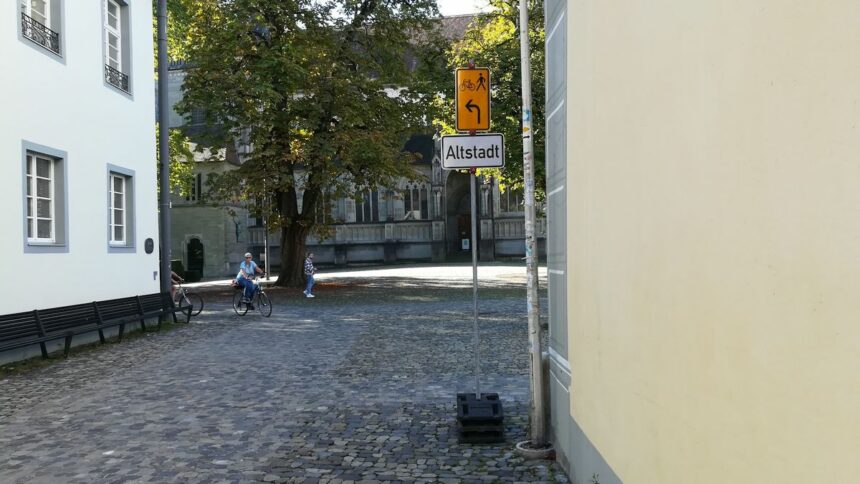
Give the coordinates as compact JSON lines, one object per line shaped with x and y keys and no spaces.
{"x":310,"y":270}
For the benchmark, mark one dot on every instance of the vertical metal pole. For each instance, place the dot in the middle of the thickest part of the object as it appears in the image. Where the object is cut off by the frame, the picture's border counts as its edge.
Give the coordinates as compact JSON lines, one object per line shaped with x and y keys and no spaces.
{"x":538,"y":423}
{"x":163,"y":148}
{"x":266,"y":231}
{"x":266,"y":244}
{"x":475,"y":286}
{"x":493,"y":216}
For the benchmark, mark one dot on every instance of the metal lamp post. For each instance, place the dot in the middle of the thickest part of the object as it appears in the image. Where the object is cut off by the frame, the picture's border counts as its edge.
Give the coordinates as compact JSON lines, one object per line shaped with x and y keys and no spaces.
{"x":539,"y":446}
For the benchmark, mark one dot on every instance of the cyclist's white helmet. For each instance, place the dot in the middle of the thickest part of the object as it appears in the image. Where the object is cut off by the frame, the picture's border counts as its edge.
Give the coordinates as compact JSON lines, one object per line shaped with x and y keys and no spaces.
{"x":248,"y":254}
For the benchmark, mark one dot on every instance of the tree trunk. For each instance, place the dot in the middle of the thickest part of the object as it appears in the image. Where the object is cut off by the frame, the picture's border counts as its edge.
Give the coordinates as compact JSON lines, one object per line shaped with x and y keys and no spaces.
{"x":292,"y":272}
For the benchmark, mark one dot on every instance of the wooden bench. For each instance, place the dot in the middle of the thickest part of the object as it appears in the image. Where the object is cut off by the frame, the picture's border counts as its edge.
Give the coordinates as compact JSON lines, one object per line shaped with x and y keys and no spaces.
{"x":41,"y":326}
{"x":23,"y":329}
{"x":67,"y":321}
{"x":161,"y":304}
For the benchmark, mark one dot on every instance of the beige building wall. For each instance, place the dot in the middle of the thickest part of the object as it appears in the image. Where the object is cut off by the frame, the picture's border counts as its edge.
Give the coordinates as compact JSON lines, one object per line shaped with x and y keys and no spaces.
{"x":713,"y":238}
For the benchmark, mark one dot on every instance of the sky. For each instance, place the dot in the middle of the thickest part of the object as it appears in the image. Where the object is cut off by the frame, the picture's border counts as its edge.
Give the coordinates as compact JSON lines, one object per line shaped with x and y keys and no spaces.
{"x":458,"y":7}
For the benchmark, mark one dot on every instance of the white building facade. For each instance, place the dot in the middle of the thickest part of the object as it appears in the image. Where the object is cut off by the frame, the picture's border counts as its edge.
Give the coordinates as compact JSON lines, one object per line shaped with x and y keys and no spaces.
{"x":78,"y":152}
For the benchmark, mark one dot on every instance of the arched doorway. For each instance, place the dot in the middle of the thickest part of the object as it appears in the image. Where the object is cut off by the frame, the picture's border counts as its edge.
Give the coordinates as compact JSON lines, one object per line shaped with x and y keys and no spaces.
{"x":196,"y":258}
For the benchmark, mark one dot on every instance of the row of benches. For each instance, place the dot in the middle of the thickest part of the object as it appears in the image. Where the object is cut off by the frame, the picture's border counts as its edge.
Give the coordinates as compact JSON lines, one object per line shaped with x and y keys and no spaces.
{"x":44,"y":325}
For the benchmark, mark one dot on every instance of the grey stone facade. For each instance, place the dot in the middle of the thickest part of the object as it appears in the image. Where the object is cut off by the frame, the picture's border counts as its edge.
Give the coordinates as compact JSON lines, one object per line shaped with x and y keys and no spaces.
{"x":412,"y":221}
{"x":385,"y":232}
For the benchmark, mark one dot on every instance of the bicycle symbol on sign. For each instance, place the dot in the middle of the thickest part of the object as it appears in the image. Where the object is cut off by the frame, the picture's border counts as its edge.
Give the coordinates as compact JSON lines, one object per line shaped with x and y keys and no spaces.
{"x":468,"y":85}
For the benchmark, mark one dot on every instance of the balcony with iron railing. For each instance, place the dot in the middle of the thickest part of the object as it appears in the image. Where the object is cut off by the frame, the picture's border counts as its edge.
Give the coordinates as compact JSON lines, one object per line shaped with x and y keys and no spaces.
{"x":116,"y":78}
{"x":40,"y":34}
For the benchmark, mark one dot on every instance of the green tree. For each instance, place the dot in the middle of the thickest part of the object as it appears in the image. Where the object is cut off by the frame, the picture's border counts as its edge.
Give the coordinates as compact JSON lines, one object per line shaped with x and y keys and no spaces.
{"x":178,"y":28}
{"x":181,"y":157}
{"x":493,"y":41}
{"x":308,"y":85}
{"x":181,"y":161}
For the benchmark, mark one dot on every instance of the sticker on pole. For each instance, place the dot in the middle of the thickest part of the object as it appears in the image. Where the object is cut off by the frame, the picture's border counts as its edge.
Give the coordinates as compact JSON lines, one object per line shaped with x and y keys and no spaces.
{"x":461,"y":151}
{"x":472,"y":99}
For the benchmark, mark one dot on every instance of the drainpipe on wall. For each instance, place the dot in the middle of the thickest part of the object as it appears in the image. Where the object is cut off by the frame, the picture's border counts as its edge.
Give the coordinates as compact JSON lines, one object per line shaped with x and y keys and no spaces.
{"x":163,"y":149}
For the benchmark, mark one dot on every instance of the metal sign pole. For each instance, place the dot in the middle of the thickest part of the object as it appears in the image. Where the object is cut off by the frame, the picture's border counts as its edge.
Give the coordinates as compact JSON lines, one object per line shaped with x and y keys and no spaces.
{"x":475,"y":284}
{"x":480,"y":419}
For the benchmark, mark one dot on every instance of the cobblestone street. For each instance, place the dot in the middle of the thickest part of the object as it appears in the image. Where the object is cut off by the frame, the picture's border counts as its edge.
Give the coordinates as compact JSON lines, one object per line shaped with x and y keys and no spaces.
{"x":356,"y":385}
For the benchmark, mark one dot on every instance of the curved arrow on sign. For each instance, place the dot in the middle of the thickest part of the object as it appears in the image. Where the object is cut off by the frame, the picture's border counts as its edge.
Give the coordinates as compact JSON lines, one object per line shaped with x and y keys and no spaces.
{"x":471,"y":106}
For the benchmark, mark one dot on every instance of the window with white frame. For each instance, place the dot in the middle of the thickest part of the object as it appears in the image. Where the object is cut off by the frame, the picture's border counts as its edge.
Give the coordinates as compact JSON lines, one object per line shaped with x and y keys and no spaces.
{"x":38,"y":10}
{"x":367,"y":208}
{"x":113,"y":35}
{"x":44,"y":201}
{"x":41,"y":199}
{"x":40,"y":23}
{"x":116,"y":39}
{"x":415,"y":203}
{"x":118,"y":210}
{"x":120,"y":205}
{"x":511,"y":200}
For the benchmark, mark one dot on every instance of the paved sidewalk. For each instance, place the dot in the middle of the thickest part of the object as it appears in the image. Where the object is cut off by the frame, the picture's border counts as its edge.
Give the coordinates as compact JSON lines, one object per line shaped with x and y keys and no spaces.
{"x":356,"y":385}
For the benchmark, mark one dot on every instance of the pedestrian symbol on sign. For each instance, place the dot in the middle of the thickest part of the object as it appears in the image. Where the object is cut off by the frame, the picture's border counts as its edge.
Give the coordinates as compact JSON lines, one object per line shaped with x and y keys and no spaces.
{"x":472,"y":99}
{"x":481,"y":83}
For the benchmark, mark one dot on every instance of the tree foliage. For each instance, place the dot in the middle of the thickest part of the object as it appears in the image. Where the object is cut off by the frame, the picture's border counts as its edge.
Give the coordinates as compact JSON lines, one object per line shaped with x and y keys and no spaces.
{"x":308,"y":85}
{"x":179,"y":35}
{"x":493,"y":41}
{"x":181,"y":161}
{"x":181,"y":157}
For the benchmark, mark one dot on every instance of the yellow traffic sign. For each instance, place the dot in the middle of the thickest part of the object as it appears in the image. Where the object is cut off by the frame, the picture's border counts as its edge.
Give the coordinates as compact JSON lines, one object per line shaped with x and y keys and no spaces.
{"x":472,"y":99}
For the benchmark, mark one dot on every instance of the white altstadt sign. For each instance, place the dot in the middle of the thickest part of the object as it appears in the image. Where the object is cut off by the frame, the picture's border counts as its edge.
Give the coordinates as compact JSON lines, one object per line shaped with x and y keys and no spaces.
{"x":461,"y":151}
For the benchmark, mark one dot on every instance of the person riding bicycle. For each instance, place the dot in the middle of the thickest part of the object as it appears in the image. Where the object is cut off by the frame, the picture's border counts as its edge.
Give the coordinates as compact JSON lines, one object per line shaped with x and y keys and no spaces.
{"x":244,"y":279}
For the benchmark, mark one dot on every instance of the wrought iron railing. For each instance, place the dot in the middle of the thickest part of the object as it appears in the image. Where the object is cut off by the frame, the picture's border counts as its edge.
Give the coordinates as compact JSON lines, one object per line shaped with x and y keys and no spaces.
{"x":38,"y":33}
{"x":116,"y":78}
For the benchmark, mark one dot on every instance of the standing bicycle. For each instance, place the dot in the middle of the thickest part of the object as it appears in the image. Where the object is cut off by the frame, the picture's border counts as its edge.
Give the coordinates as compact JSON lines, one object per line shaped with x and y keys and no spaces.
{"x":184,"y":297}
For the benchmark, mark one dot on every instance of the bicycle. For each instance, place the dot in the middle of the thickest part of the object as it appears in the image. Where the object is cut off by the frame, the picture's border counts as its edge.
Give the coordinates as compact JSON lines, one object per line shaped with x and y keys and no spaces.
{"x":259,"y":300}
{"x":184,"y":297}
{"x":467,"y":85}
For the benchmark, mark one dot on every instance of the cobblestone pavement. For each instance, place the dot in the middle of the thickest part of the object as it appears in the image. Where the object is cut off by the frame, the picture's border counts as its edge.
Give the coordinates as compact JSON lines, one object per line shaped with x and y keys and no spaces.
{"x":356,"y":385}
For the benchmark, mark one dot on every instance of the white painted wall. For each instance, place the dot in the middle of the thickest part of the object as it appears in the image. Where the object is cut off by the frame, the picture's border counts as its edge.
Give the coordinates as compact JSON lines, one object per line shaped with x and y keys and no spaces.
{"x":65,"y":104}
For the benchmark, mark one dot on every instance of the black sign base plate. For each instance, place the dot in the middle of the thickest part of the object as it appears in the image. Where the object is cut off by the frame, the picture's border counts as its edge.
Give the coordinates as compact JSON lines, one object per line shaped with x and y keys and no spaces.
{"x":480,"y":420}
